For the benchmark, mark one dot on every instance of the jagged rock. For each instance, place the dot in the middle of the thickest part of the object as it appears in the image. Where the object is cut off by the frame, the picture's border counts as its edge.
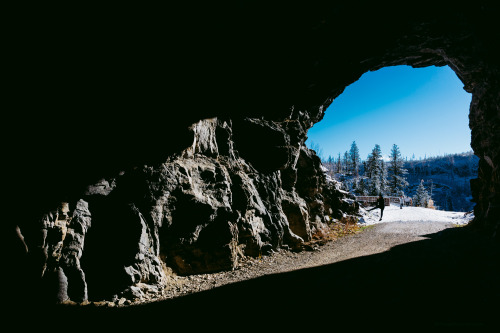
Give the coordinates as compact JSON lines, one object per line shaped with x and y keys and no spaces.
{"x":192,"y":158}
{"x":60,"y":250}
{"x":297,"y":213}
{"x":197,"y":212}
{"x":73,"y":251}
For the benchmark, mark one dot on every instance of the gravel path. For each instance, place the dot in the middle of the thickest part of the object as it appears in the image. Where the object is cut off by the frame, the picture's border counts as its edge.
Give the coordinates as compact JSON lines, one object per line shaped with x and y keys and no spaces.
{"x":376,"y":239}
{"x":392,"y":275}
{"x":395,"y":275}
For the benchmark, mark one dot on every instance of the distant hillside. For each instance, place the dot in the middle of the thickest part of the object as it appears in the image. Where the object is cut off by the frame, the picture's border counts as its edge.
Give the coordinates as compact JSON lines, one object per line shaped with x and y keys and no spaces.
{"x":446,"y":178}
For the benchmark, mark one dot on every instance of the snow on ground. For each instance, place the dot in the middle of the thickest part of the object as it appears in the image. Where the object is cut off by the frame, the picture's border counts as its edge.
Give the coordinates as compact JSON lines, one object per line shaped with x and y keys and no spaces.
{"x":393,"y":213}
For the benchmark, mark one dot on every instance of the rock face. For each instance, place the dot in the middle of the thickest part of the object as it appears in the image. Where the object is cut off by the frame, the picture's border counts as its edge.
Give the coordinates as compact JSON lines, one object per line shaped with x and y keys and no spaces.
{"x":197,"y":212}
{"x":58,"y":250}
{"x":191,"y":153}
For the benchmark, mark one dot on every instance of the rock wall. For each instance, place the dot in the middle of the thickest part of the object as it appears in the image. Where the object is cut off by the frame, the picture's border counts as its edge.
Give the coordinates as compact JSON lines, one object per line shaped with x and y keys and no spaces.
{"x":180,"y":141}
{"x":197,"y":212}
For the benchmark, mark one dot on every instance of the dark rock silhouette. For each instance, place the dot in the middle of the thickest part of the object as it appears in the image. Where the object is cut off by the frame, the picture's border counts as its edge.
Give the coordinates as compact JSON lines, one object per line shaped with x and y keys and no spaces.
{"x":449,"y":280}
{"x":185,"y":135}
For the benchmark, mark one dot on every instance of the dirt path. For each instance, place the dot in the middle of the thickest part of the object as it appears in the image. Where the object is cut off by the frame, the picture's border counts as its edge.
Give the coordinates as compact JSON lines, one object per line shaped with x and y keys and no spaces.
{"x":377,"y":239}
{"x":396,"y":275}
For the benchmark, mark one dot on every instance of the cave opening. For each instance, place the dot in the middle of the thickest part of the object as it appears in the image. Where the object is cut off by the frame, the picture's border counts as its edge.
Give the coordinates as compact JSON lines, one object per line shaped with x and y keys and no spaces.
{"x":423,"y":113}
{"x":129,"y":100}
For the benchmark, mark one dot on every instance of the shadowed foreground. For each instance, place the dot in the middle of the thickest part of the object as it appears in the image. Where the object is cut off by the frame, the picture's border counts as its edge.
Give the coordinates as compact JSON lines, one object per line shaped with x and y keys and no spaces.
{"x":450,"y":279}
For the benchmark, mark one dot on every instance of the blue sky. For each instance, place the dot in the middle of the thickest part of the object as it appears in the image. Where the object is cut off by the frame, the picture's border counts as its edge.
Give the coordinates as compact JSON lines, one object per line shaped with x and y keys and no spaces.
{"x":422,"y":110}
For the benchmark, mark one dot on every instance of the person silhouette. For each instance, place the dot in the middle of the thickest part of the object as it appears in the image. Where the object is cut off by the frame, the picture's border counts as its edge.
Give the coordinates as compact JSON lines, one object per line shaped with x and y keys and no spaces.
{"x":380,"y":204}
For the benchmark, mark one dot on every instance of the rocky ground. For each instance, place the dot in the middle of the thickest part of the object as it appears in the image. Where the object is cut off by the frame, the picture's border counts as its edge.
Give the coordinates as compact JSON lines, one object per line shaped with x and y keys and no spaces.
{"x":249,"y":268}
{"x":421,"y":274}
{"x":333,"y":248}
{"x":344,"y":242}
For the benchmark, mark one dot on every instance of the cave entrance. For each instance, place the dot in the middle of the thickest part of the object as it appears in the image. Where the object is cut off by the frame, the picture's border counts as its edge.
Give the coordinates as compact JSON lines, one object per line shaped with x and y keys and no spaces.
{"x":424,"y":113}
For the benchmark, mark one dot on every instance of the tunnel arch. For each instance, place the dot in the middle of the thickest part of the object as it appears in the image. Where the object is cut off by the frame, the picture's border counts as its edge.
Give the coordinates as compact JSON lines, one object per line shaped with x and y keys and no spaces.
{"x":397,"y":99}
{"x":111,"y":96}
{"x":132,"y":101}
{"x":421,"y":111}
{"x":481,"y":79}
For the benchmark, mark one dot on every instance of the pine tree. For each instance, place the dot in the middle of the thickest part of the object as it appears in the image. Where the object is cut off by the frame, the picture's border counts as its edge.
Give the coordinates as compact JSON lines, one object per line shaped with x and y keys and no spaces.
{"x":398,"y":173}
{"x":376,"y":171}
{"x":449,"y":202}
{"x":345,"y":162}
{"x":451,"y":161}
{"x":354,"y":159}
{"x":384,"y":188}
{"x":422,"y":197}
{"x":361,"y":188}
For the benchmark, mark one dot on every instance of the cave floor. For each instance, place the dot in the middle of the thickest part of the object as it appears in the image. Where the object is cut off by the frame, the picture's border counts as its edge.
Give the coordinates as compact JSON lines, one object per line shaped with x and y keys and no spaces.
{"x":397,"y":274}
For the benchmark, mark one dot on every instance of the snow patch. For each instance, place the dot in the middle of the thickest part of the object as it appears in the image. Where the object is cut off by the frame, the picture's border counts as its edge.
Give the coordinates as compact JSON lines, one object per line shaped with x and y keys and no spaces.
{"x":393,"y":213}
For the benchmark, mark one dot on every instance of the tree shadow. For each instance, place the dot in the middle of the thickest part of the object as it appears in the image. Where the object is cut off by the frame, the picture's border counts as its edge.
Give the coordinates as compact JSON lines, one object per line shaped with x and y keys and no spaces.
{"x":451,"y":279}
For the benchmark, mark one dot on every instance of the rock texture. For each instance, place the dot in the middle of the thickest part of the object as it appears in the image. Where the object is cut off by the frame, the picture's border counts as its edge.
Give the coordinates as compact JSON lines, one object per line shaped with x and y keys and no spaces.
{"x":199,"y":211}
{"x":179,"y":142}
